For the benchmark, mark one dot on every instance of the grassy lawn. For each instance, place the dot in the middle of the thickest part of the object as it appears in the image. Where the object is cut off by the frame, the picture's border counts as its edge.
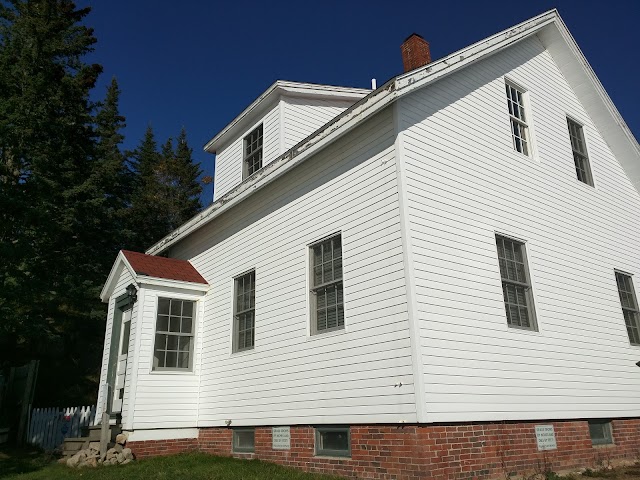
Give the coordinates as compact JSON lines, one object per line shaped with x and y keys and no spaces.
{"x":16,"y":465}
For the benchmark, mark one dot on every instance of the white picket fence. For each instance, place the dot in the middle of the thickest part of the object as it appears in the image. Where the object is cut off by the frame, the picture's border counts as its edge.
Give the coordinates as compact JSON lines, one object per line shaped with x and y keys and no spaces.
{"x":48,"y":427}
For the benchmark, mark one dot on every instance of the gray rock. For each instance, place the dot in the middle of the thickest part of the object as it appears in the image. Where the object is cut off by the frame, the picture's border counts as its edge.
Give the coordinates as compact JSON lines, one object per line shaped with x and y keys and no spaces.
{"x":128,"y":460}
{"x":117,"y":447}
{"x":128,"y":454}
{"x":91,"y":462}
{"x":74,"y":460}
{"x":121,"y":438}
{"x":120,"y":457}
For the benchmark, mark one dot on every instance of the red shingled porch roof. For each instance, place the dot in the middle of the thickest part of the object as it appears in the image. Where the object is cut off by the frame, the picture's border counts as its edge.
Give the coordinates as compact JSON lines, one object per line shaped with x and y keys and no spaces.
{"x":161,"y":267}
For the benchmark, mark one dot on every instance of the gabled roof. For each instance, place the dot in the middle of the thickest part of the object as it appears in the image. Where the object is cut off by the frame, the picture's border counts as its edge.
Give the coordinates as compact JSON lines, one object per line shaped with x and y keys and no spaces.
{"x":161,"y":267}
{"x":271,"y":95}
{"x":553,"y":33}
{"x":152,"y":269}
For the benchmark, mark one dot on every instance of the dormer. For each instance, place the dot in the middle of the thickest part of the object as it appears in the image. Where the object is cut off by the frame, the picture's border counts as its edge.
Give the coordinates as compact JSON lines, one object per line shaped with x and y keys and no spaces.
{"x":285,"y":114}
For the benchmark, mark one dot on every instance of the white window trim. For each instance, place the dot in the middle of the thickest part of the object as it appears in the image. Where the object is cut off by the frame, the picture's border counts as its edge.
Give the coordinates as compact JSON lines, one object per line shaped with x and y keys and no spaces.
{"x":198,"y":315}
{"x":586,"y":137}
{"x":234,"y":350}
{"x":243,"y":169}
{"x":331,"y":453}
{"x":637,"y":298}
{"x":309,"y":318}
{"x":526,"y":97}
{"x":528,"y":253}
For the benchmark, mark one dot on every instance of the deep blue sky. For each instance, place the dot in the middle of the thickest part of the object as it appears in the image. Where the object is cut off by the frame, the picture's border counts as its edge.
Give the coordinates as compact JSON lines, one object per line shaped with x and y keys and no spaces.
{"x":197,"y":64}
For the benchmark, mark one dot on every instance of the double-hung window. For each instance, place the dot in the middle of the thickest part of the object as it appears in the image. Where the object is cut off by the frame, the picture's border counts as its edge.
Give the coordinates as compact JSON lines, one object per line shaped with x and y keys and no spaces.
{"x":518,"y":116}
{"x":327,"y":302}
{"x":244,"y":315}
{"x":580,"y":157}
{"x":516,"y":285}
{"x":252,"y":161}
{"x":174,"y":335}
{"x":629,"y":305}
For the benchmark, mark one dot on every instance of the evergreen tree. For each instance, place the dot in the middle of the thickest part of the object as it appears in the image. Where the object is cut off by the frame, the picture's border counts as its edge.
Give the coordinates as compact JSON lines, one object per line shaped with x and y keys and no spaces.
{"x":50,"y":273}
{"x":167,"y":191}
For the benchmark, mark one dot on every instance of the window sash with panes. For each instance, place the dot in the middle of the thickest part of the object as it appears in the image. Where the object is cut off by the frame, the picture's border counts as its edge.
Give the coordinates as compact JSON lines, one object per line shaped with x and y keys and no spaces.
{"x":333,"y":441}
{"x":516,"y":288}
{"x":244,"y":311}
{"x":600,"y":432}
{"x":174,"y":334}
{"x":519,"y":127}
{"x":629,"y":305}
{"x":252,"y":152}
{"x":327,"y":298}
{"x":580,"y":157}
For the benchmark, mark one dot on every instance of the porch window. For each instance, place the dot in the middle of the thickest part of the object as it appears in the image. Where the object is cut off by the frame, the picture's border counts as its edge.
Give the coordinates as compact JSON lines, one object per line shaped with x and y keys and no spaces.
{"x":174,"y":335}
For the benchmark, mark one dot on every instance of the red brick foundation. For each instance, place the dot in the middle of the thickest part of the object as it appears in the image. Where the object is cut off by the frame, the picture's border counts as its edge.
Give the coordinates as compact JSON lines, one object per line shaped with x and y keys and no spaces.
{"x":463,"y":451}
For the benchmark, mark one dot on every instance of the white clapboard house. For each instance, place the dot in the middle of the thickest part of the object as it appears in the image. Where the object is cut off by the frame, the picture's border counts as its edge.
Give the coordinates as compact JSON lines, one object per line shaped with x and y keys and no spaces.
{"x":459,"y":245}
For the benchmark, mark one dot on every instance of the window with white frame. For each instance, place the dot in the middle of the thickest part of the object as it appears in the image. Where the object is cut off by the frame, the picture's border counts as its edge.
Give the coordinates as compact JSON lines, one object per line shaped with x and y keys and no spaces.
{"x":629,"y":305}
{"x":244,"y":312}
{"x":580,"y":157}
{"x":174,"y":334}
{"x":333,"y":441}
{"x":244,"y":440}
{"x":327,"y":302}
{"x":252,"y":161}
{"x":518,"y":116}
{"x":516,"y":284}
{"x":600,"y":432}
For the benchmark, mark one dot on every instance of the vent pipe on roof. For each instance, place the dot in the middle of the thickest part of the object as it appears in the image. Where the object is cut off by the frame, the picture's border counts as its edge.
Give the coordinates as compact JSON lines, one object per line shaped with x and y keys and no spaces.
{"x":415,"y":52}
{"x":374,"y":84}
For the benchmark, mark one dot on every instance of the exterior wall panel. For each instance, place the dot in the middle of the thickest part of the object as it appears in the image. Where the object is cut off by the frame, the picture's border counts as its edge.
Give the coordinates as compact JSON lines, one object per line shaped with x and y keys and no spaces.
{"x":465,"y":184}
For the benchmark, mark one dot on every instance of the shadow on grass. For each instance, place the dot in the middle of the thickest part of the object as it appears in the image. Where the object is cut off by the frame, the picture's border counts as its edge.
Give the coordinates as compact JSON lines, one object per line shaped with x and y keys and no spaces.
{"x":15,"y":461}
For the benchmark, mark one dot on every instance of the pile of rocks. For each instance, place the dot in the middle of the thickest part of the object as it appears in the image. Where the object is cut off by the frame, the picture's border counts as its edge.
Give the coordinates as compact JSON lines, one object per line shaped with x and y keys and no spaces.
{"x":90,"y":457}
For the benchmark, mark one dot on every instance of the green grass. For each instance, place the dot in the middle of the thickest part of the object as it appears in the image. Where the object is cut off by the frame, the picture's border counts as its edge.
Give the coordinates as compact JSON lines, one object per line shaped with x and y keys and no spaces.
{"x":19,"y":465}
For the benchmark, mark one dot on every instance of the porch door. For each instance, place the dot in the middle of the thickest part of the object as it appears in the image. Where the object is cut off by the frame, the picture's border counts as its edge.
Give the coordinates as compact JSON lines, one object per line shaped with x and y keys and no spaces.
{"x":121,"y":367}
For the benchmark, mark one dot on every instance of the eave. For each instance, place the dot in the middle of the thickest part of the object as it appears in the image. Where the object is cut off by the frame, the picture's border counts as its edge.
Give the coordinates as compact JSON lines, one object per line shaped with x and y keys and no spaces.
{"x":547,"y":25}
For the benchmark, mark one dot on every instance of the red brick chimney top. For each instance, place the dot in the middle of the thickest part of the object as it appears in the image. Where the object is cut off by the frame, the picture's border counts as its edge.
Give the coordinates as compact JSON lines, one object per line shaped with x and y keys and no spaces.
{"x":415,"y":52}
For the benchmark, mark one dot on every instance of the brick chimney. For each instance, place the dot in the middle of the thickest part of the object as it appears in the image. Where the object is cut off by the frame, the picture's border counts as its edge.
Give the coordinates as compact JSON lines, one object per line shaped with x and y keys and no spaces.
{"x":415,"y":52}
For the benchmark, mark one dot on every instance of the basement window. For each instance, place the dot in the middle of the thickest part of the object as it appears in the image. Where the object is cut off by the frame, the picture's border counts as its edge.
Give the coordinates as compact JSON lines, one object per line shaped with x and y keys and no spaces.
{"x":600,"y":432}
{"x":333,"y":441}
{"x":244,"y":440}
{"x":252,"y":161}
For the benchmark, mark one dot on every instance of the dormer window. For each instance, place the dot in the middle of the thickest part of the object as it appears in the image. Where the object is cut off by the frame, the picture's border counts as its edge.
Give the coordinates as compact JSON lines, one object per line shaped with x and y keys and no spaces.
{"x":252,"y":152}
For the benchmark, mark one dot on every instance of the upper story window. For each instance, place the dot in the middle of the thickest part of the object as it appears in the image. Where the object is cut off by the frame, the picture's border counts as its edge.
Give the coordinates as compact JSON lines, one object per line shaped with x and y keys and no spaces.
{"x":629,"y":306}
{"x":244,"y":312}
{"x":327,"y":302}
{"x":174,"y":335}
{"x":518,"y":115}
{"x":580,"y":157}
{"x":516,"y":285}
{"x":252,"y":161}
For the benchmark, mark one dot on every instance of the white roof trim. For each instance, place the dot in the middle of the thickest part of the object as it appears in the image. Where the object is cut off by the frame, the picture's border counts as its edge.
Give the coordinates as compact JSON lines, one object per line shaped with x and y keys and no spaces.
{"x":114,"y":274}
{"x":626,"y":145}
{"x":169,"y":283}
{"x":292,"y":88}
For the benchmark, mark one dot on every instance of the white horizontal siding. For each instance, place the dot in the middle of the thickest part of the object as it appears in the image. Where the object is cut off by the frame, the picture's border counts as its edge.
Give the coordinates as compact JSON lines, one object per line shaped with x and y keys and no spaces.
{"x":124,"y":279}
{"x":303,"y":116}
{"x":165,"y":399}
{"x":228,"y":171}
{"x":290,"y":377}
{"x":465,"y":182}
